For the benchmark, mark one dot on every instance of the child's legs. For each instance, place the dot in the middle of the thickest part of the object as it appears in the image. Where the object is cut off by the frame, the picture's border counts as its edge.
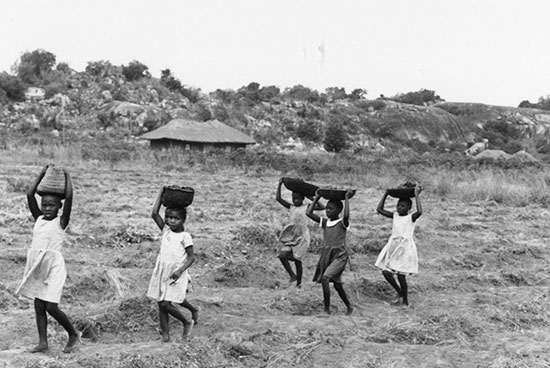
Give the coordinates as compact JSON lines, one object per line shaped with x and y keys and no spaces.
{"x":326,"y":293}
{"x":391,"y":280}
{"x":285,"y":257}
{"x":54,"y":311}
{"x":194,"y":310}
{"x":299,"y":272}
{"x":186,"y":304}
{"x":340,"y":289}
{"x":169,"y":308}
{"x":41,"y":324}
{"x":164,"y":322}
{"x":404,"y":288}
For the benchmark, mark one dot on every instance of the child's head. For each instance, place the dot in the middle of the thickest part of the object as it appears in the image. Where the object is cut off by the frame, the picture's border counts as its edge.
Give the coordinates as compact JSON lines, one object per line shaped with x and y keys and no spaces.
{"x":403,"y":206}
{"x":174,"y":217}
{"x":333,"y":209}
{"x":50,"y":206}
{"x":297,"y":199}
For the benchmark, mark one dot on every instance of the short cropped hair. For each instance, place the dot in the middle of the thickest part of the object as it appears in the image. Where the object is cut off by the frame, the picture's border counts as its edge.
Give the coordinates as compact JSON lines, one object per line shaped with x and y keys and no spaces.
{"x":339,"y":205}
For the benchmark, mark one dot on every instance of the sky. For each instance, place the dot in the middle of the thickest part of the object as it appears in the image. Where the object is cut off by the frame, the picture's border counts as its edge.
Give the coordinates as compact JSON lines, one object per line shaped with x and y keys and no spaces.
{"x":486,"y":51}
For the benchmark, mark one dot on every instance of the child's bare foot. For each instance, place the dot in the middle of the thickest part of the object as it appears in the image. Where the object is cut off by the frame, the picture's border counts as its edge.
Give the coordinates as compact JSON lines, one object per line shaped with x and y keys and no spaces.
{"x":165,"y":338}
{"x":350,"y":310}
{"x":396,"y":301}
{"x":71,"y":344}
{"x":195,"y":316}
{"x":187,"y":328}
{"x":39,"y":348}
{"x":292,"y":280}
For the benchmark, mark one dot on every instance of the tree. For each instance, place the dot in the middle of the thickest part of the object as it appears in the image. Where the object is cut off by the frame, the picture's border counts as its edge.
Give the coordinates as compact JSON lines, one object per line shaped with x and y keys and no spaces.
{"x":336,"y":139}
{"x":269,"y":92}
{"x":301,"y":93}
{"x":63,"y":68}
{"x":99,"y":68}
{"x":544,"y":103}
{"x":336,"y":93}
{"x":309,"y":130}
{"x":13,"y":86}
{"x":421,"y":97}
{"x":135,"y":71}
{"x":250,"y":92}
{"x":171,"y":82}
{"x":358,"y":94}
{"x":34,"y":65}
{"x":527,"y":104}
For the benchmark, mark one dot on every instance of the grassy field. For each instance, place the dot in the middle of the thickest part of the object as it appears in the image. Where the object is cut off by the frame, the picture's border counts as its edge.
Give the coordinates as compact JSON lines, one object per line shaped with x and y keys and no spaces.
{"x":480,"y":299}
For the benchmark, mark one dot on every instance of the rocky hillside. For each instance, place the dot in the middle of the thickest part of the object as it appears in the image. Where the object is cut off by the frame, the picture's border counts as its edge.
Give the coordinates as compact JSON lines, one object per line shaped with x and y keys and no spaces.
{"x":87,"y":104}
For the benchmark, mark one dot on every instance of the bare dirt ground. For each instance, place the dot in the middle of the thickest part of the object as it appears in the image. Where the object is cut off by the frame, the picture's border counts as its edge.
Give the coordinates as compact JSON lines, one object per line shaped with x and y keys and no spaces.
{"x":481,"y":298}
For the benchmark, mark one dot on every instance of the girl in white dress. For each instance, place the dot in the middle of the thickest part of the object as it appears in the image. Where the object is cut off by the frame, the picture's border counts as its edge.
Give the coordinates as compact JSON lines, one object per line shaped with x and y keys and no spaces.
{"x":45,"y":271}
{"x":399,"y":256}
{"x":294,"y":236}
{"x":170,"y":276}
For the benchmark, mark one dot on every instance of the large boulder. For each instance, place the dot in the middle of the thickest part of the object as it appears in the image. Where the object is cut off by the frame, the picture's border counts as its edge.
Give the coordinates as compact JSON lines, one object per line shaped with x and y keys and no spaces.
{"x":127,"y":109}
{"x":423,"y":123}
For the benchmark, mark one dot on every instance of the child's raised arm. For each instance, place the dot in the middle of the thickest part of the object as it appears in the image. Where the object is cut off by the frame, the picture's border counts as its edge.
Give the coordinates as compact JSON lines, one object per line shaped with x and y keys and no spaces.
{"x":311,"y":208}
{"x":319,"y":206}
{"x":418,"y":212}
{"x":380,"y":209}
{"x":345,"y":217}
{"x":31,"y":198}
{"x":278,"y":195}
{"x":156,"y":208}
{"x":68,"y":203}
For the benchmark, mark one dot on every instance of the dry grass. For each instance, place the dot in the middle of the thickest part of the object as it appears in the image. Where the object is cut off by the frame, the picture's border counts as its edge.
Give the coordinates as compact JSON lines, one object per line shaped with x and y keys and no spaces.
{"x":480,"y":292}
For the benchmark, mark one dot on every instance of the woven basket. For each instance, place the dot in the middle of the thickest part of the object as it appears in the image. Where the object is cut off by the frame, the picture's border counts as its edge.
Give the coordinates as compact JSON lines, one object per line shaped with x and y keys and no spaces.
{"x":175,"y":196}
{"x":53,"y":182}
{"x":403,"y":191}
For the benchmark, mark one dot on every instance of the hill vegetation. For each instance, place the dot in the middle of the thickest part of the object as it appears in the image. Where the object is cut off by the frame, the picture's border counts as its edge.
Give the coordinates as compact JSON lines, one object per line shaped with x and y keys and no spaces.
{"x":125,"y":101}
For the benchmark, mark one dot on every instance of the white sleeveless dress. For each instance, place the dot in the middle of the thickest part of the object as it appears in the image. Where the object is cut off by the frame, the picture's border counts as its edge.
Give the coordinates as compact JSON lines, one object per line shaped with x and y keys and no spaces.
{"x":45,"y":271}
{"x":399,"y":255}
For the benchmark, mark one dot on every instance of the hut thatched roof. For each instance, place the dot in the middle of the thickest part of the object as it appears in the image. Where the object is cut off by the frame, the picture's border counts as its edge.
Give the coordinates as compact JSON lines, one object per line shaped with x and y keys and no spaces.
{"x":201,"y":132}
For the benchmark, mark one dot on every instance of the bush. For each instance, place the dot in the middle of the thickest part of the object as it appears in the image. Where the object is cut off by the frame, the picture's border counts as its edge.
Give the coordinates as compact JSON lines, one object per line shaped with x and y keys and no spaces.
{"x":170,"y":82}
{"x":63,"y":68}
{"x":421,"y":97}
{"x":268,"y":93}
{"x":503,"y":135}
{"x":302,"y":93}
{"x":135,"y":71}
{"x":13,"y":87}
{"x":54,"y":88}
{"x":99,"y":68}
{"x":373,"y":105}
{"x":309,"y":131}
{"x":336,"y":139}
{"x":192,"y":94}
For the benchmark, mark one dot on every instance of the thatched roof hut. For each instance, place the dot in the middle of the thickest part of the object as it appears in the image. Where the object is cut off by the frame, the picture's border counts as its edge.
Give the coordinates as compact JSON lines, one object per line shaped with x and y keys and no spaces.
{"x":195,"y":135}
